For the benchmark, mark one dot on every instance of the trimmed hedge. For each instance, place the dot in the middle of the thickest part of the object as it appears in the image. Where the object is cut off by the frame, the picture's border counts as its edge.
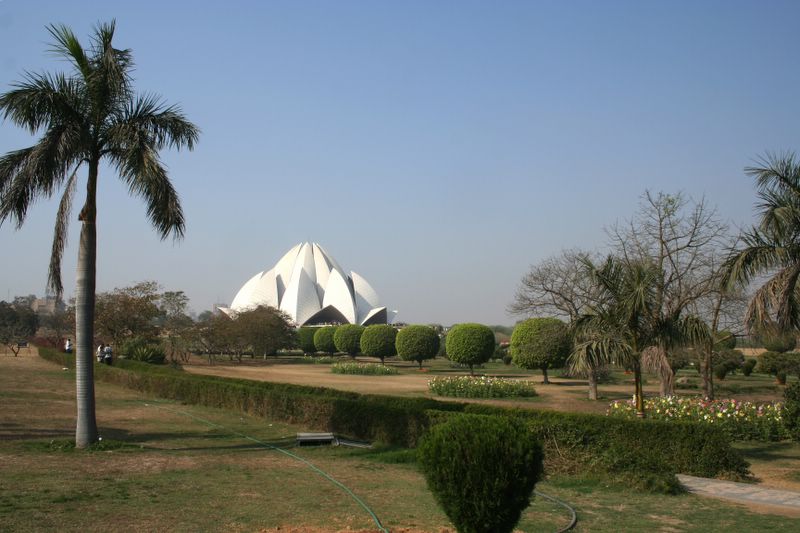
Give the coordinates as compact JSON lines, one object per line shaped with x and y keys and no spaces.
{"x":470,"y":344}
{"x":417,"y":343}
{"x":323,"y":340}
{"x":378,"y":341}
{"x":645,"y":450}
{"x":305,"y":339}
{"x":348,"y":339}
{"x":541,"y":343}
{"x":481,"y":470}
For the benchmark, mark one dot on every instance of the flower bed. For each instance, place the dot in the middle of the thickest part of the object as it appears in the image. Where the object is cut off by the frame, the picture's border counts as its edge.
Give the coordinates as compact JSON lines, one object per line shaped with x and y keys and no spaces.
{"x":319,"y":359}
{"x":480,"y":387}
{"x":739,"y":419}
{"x":365,"y":369}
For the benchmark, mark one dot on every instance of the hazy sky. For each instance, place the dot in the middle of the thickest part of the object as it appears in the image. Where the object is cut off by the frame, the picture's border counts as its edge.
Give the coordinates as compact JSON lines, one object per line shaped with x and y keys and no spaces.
{"x":437,"y":148}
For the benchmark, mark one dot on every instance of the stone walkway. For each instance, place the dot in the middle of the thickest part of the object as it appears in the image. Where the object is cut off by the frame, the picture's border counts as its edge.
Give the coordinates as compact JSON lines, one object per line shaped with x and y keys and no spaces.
{"x":741,"y":492}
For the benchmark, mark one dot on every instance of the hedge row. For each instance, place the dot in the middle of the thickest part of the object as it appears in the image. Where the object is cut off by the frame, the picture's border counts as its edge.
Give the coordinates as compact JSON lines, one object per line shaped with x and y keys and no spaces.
{"x":647,"y":450}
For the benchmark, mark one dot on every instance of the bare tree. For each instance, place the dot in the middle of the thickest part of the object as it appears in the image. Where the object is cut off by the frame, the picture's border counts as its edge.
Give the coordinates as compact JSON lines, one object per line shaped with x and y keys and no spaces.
{"x":686,"y":241}
{"x":558,"y":286}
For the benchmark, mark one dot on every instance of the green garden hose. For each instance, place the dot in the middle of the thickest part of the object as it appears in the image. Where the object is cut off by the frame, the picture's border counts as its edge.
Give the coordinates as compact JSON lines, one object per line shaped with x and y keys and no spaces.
{"x":347,"y":491}
{"x":324,"y":474}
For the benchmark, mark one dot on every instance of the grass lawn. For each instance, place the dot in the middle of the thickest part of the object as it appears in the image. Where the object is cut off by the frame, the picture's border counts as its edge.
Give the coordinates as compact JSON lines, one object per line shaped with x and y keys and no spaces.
{"x":170,"y":467}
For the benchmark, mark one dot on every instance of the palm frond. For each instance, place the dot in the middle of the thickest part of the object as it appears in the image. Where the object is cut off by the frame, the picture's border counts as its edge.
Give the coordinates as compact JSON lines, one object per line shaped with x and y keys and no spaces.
{"x":43,"y":99}
{"x":69,"y":47}
{"x":163,"y":126}
{"x":60,"y":234}
{"x":147,"y":178}
{"x":777,"y":171}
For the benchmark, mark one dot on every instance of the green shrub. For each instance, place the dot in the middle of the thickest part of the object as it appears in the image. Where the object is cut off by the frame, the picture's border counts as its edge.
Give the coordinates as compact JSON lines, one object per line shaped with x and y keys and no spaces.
{"x":417,"y":343}
{"x":323,"y":339}
{"x":144,"y":350}
{"x":480,"y":387}
{"x":150,"y":353}
{"x":748,"y":366}
{"x":378,"y":341}
{"x":791,"y":413}
{"x":363,"y":369}
{"x":348,"y":339}
{"x":779,"y":365}
{"x":541,"y":343}
{"x":646,"y":452}
{"x":305,"y":339}
{"x":481,"y":470}
{"x":779,"y":342}
{"x":470,"y":344}
{"x":724,"y":340}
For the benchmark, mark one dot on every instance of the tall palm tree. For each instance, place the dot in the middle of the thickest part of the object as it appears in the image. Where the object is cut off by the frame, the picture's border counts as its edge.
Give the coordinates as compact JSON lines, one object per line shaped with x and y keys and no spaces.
{"x":773,"y":246}
{"x":626,"y":322}
{"x":87,"y":116}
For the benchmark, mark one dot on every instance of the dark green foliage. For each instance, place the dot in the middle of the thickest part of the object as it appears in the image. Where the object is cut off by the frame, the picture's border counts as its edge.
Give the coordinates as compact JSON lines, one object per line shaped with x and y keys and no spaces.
{"x":17,"y":323}
{"x":481,"y":470}
{"x":791,"y":410}
{"x":305,"y":339}
{"x":727,"y":361}
{"x":378,"y":341}
{"x":748,"y":366}
{"x":724,"y":340}
{"x":323,"y":339}
{"x":541,"y":343}
{"x":641,"y":450}
{"x":779,"y":365}
{"x":470,"y":344}
{"x":417,"y":343}
{"x":779,"y":342}
{"x":348,"y":339}
{"x":149,"y":353}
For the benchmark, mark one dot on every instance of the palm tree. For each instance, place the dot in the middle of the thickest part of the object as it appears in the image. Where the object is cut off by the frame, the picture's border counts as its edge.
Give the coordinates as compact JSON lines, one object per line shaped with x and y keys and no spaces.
{"x":88,"y":116}
{"x":625,"y":324}
{"x":773,"y":246}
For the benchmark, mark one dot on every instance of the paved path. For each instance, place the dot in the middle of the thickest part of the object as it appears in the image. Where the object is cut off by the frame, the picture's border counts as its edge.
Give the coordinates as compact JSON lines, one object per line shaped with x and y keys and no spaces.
{"x":741,"y":492}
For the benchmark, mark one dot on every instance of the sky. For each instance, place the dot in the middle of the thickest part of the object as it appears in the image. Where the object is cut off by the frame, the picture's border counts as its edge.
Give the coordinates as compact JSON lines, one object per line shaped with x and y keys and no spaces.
{"x":439,"y":149}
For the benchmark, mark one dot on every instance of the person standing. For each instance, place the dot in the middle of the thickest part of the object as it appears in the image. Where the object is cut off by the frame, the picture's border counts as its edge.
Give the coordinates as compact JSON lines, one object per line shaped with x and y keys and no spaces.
{"x":100,"y":352}
{"x":68,"y":346}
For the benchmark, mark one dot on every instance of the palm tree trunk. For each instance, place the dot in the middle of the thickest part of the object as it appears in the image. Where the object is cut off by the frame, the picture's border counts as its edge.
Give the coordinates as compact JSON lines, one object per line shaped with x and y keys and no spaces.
{"x":592,"y":376}
{"x":86,"y":430}
{"x":639,"y":397}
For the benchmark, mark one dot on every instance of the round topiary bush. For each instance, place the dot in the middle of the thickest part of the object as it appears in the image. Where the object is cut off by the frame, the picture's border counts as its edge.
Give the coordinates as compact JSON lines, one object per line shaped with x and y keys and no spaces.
{"x":481,"y":470}
{"x":779,"y":342}
{"x":724,"y":340}
{"x":541,"y":343}
{"x":348,"y":339}
{"x":378,"y":341}
{"x":417,"y":343}
{"x":470,"y":344}
{"x":323,"y":339}
{"x":748,"y":366}
{"x":305,"y":339}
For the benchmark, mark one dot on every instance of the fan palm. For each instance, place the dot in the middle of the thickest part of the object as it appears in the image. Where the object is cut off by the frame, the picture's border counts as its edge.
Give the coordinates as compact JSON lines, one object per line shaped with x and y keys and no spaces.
{"x":773,"y":246}
{"x":88,"y":116}
{"x":625,"y":323}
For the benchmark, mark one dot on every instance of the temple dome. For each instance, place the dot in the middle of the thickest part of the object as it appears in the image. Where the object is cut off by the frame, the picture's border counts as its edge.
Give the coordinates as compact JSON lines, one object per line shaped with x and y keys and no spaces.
{"x":310,"y":286}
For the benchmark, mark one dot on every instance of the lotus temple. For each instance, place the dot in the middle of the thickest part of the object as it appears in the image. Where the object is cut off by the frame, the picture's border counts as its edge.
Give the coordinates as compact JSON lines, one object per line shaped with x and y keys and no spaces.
{"x":310,"y":286}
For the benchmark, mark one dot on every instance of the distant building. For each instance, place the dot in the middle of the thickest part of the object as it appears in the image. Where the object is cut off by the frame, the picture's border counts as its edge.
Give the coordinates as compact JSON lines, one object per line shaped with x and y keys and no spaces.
{"x":47,"y":306}
{"x":310,"y":286}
